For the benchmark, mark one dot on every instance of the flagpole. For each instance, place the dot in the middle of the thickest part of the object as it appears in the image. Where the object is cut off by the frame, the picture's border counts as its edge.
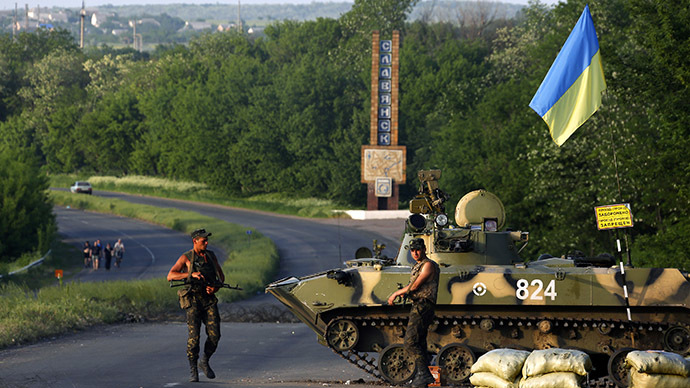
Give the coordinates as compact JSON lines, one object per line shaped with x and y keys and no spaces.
{"x":625,"y":233}
{"x":615,"y":164}
{"x":618,"y":182}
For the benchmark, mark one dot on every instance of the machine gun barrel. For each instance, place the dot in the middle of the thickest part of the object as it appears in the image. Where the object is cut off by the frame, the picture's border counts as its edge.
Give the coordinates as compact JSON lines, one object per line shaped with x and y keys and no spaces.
{"x":178,"y":283}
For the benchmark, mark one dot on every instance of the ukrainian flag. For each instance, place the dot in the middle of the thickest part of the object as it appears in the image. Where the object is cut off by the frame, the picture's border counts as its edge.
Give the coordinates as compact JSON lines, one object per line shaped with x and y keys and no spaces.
{"x":571,"y":90}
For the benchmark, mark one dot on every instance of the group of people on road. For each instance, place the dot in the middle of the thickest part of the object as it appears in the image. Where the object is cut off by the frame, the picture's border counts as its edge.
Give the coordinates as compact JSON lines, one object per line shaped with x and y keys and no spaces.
{"x":96,"y":253}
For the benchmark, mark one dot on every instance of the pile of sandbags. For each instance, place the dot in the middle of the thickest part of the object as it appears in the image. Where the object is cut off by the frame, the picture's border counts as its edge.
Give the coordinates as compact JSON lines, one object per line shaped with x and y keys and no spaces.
{"x":499,"y":368}
{"x":657,"y":369}
{"x":555,"y":368}
{"x":550,"y":368}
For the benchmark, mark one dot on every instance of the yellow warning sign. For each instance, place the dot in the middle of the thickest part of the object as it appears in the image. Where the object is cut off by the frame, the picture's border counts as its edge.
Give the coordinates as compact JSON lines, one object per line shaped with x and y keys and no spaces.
{"x":614,"y":216}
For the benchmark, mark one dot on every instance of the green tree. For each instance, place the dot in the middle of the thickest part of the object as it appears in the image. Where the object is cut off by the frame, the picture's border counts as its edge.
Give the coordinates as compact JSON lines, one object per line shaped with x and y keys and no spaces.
{"x":63,"y":148}
{"x":16,"y":56}
{"x":27,"y":222}
{"x":107,"y":74}
{"x":56,"y":80}
{"x":104,"y":138}
{"x":441,"y":76}
{"x":367,"y":16}
{"x":654,"y":77}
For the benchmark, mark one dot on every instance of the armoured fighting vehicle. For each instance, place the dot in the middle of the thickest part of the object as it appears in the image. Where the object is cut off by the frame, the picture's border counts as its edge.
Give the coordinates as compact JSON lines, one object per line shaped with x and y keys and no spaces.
{"x":489,"y":297}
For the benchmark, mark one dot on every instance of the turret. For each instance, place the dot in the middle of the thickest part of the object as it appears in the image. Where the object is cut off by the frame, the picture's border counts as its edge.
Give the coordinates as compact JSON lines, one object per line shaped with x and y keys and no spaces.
{"x":475,"y":239}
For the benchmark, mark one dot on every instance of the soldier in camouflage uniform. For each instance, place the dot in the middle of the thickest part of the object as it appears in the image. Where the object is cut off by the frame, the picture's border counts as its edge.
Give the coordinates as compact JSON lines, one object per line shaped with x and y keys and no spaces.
{"x":199,"y":266}
{"x":422,"y":290}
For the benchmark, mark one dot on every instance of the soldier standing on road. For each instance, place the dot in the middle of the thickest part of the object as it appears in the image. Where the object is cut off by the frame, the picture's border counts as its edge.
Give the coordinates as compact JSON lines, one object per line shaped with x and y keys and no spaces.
{"x":422,"y":290}
{"x":199,"y":266}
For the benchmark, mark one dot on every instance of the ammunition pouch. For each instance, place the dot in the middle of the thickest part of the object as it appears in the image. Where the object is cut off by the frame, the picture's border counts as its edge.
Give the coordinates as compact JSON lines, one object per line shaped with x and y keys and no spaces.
{"x":185,"y":295}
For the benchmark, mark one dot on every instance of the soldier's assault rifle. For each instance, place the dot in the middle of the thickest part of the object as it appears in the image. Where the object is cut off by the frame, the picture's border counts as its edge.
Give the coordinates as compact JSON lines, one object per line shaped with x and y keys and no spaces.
{"x":216,"y":284}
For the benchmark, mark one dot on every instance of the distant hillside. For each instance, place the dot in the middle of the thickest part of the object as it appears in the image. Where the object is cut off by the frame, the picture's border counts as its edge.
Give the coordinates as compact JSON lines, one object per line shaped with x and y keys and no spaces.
{"x":226,"y":13}
{"x":448,"y":11}
{"x":178,"y":23}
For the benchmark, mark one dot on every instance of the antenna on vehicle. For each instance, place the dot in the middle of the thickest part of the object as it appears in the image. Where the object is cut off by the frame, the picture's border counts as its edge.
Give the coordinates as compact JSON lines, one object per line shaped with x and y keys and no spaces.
{"x":239,"y":17}
{"x":340,"y":255}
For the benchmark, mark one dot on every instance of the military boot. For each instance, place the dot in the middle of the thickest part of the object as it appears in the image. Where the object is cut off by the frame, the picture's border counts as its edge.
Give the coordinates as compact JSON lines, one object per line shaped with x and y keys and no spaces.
{"x":193,"y":371}
{"x":422,"y":376}
{"x":206,"y":368}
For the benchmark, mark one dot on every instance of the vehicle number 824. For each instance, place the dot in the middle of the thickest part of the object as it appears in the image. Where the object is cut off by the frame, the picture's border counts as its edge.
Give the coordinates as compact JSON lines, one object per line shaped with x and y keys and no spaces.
{"x":538,"y":292}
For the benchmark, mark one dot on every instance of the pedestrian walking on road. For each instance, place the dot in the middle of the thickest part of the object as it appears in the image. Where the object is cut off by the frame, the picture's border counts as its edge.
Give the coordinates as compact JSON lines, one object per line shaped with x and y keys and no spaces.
{"x":108,"y":256}
{"x":200,"y":268}
{"x":96,"y":252}
{"x":422,"y":290}
{"x":118,"y":252}
{"x":87,"y":254}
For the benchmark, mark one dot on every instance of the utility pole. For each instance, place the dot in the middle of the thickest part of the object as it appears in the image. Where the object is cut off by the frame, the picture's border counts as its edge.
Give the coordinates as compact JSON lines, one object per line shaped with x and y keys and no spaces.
{"x":26,"y":17}
{"x":134,"y":34}
{"x":14,"y":23}
{"x":137,"y":39}
{"x":82,"y":17}
{"x":239,"y":18}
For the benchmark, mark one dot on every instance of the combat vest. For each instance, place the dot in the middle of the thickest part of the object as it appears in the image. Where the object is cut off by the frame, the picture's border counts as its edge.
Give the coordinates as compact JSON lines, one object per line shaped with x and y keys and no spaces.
{"x":206,"y":267}
{"x":429,"y":289}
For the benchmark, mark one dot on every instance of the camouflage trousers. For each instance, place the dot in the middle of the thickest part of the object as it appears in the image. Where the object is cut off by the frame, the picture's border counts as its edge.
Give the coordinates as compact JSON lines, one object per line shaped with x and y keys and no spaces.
{"x":203,"y":310}
{"x":421,"y":317}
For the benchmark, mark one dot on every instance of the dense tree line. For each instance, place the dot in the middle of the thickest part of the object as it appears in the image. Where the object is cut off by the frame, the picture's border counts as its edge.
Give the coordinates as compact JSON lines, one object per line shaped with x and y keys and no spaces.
{"x":288,"y":113}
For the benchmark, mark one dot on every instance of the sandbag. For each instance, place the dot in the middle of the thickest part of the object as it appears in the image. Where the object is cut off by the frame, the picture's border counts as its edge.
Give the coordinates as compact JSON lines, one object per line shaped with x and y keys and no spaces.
{"x":490,"y":380}
{"x":540,"y":362}
{"x":657,"y":380}
{"x":657,"y":362}
{"x":504,"y":363}
{"x":553,"y":380}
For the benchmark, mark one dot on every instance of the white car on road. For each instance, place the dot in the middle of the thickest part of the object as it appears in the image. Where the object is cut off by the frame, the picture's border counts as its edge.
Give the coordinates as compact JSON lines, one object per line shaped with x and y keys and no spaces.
{"x":81,"y":187}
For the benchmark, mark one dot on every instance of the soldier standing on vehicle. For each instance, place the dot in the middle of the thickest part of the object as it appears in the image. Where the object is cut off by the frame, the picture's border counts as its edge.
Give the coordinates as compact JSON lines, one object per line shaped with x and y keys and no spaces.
{"x":199,"y":267}
{"x":422,"y":290}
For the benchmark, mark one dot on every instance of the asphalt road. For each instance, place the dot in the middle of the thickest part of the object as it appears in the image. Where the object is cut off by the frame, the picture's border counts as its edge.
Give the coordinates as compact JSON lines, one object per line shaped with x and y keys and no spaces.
{"x":152,"y":355}
{"x":305,"y":245}
{"x":149,"y":249}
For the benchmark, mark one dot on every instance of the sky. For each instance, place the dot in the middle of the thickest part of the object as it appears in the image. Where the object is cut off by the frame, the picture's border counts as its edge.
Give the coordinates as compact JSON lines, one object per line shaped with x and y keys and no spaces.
{"x":9,"y":4}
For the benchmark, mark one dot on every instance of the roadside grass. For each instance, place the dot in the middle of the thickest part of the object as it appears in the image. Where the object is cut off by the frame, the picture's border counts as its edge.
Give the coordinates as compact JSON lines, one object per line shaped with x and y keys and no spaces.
{"x":65,"y":257}
{"x":21,"y":262}
{"x":166,"y":188}
{"x":28,"y":314}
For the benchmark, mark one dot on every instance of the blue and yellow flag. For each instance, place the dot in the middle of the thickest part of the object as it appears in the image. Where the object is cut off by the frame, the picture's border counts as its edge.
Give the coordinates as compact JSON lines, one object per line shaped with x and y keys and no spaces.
{"x":571,"y":90}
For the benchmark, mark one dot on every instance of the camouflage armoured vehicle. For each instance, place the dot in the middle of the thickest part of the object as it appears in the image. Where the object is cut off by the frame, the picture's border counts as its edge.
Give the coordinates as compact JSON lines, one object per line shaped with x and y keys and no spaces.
{"x":490,"y":298}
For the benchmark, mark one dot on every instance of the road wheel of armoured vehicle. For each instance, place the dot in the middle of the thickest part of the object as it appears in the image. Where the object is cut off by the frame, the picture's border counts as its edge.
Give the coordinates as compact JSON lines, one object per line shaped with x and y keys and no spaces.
{"x":677,"y":339}
{"x":455,"y":361}
{"x":616,"y":368}
{"x":342,"y":334}
{"x":396,"y":364}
